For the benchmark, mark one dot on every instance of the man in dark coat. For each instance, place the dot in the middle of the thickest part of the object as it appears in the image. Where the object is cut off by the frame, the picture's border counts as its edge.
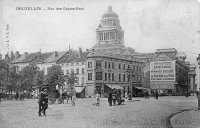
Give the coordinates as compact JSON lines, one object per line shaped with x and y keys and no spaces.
{"x":156,"y":95}
{"x":43,"y":102}
{"x":110,"y":98}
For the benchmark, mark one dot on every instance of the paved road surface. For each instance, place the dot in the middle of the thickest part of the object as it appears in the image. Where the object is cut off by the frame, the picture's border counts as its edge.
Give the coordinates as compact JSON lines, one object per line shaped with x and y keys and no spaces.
{"x":138,"y":113}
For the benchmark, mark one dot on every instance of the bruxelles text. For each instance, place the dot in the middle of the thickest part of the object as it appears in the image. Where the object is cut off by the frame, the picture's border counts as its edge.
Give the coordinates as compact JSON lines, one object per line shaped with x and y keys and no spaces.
{"x":48,"y":8}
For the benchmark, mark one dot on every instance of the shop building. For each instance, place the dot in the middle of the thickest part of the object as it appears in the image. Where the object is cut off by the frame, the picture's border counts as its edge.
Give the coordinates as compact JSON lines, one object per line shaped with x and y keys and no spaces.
{"x":169,"y":72}
{"x":105,"y":70}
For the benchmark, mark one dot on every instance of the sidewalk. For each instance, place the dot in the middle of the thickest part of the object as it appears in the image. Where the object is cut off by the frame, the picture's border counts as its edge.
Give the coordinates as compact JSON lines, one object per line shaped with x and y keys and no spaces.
{"x":186,"y":119}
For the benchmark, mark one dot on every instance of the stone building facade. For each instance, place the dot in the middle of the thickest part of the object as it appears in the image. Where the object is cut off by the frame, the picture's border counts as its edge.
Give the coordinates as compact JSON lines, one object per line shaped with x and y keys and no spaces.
{"x":169,"y":72}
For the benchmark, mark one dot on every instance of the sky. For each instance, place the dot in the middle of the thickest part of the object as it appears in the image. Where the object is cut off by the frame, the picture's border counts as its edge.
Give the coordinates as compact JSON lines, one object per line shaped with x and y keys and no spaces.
{"x":148,"y":25}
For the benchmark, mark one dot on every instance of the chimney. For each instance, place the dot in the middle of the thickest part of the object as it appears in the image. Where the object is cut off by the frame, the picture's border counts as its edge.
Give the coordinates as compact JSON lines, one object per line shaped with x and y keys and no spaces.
{"x":80,"y":52}
{"x":26,"y":54}
{"x":17,"y":55}
{"x":56,"y":54}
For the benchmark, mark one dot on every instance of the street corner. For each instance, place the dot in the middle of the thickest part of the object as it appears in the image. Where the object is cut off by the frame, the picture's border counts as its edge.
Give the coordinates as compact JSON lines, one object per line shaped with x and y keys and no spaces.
{"x":186,"y":119}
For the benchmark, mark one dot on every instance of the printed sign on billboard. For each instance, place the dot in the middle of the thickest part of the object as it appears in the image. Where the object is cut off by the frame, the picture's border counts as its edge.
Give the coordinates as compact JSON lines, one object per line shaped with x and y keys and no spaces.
{"x":162,"y":71}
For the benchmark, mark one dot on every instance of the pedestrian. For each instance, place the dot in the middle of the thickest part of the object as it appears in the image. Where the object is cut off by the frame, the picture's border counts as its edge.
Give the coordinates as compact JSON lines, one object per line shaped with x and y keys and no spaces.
{"x":114,"y":96}
{"x":110,"y":98}
{"x":73,"y":97}
{"x":156,"y":95}
{"x":146,"y":95}
{"x":126,"y":95}
{"x":43,"y":102}
{"x":16,"y":96}
{"x":73,"y":100}
{"x":97,"y":98}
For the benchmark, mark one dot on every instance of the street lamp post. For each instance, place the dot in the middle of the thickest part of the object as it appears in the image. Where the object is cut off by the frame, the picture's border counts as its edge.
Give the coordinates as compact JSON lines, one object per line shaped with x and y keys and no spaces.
{"x":198,"y":94}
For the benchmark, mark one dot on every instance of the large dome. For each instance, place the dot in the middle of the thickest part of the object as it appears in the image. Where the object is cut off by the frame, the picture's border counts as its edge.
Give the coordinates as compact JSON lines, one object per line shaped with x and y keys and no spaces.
{"x":109,"y":13}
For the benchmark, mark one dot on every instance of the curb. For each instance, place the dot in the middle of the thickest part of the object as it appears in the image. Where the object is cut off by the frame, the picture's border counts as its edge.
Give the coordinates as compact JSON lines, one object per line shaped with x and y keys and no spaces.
{"x":168,"y":122}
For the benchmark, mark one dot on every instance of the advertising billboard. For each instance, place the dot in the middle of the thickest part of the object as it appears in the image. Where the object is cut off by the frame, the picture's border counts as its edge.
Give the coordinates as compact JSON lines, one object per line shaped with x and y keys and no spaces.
{"x":162,"y":71}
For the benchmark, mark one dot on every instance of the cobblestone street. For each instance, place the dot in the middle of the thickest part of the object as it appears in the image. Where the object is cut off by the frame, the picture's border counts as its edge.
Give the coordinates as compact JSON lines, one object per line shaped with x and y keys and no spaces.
{"x":138,"y":113}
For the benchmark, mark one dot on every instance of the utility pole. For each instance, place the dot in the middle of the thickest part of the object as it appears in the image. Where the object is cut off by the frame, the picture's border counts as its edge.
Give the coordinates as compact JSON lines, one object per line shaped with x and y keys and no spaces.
{"x":7,"y":57}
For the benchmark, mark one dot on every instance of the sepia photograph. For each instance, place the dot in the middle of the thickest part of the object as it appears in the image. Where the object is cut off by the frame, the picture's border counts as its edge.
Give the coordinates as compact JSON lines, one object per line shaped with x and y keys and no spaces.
{"x":99,"y":64}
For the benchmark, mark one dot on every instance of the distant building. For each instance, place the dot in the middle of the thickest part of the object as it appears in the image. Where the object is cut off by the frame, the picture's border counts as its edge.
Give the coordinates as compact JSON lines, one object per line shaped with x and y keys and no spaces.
{"x":109,"y":60}
{"x":23,"y":60}
{"x":110,"y":36}
{"x":42,"y":60}
{"x":75,"y":62}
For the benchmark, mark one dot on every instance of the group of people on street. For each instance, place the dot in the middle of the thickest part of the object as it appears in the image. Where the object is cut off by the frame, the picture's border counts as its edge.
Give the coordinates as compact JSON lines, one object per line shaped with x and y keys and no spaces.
{"x":154,"y":93}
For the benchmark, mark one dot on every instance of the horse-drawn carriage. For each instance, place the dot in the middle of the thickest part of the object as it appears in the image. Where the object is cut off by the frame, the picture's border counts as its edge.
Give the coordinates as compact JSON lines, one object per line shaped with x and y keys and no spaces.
{"x":58,"y":95}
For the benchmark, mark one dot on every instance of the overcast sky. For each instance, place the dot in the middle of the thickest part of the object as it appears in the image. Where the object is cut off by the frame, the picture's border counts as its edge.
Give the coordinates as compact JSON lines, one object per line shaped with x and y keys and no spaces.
{"x":147,"y":24}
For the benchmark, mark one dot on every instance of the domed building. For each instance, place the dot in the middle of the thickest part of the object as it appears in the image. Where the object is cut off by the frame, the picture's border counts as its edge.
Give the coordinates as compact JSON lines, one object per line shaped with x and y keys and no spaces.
{"x":110,"y":36}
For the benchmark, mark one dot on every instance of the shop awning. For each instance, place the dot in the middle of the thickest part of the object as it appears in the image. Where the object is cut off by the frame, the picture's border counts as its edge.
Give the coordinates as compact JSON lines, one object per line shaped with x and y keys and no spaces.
{"x":114,"y":86}
{"x":79,"y":89}
{"x":141,"y":88}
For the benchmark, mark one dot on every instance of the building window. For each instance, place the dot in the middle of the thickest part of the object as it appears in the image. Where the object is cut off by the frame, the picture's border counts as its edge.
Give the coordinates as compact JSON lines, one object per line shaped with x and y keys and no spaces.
{"x":89,"y":64}
{"x":89,"y":76}
{"x":108,"y":64}
{"x":105,"y":76}
{"x":119,"y":66}
{"x":113,"y":77}
{"x":128,"y":78}
{"x":82,"y":81}
{"x":77,"y":81}
{"x":67,"y":64}
{"x":98,"y":65}
{"x":105,"y":64}
{"x":124,"y":89}
{"x":77,"y":71}
{"x":124,"y":77}
{"x":82,"y":63}
{"x":113,"y":65}
{"x":98,"y":75}
{"x":128,"y":66}
{"x":67,"y":72}
{"x":109,"y":76}
{"x":72,"y":64}
{"x":119,"y":77}
{"x":83,"y":71}
{"x":77,"y":63}
{"x":124,"y":67}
